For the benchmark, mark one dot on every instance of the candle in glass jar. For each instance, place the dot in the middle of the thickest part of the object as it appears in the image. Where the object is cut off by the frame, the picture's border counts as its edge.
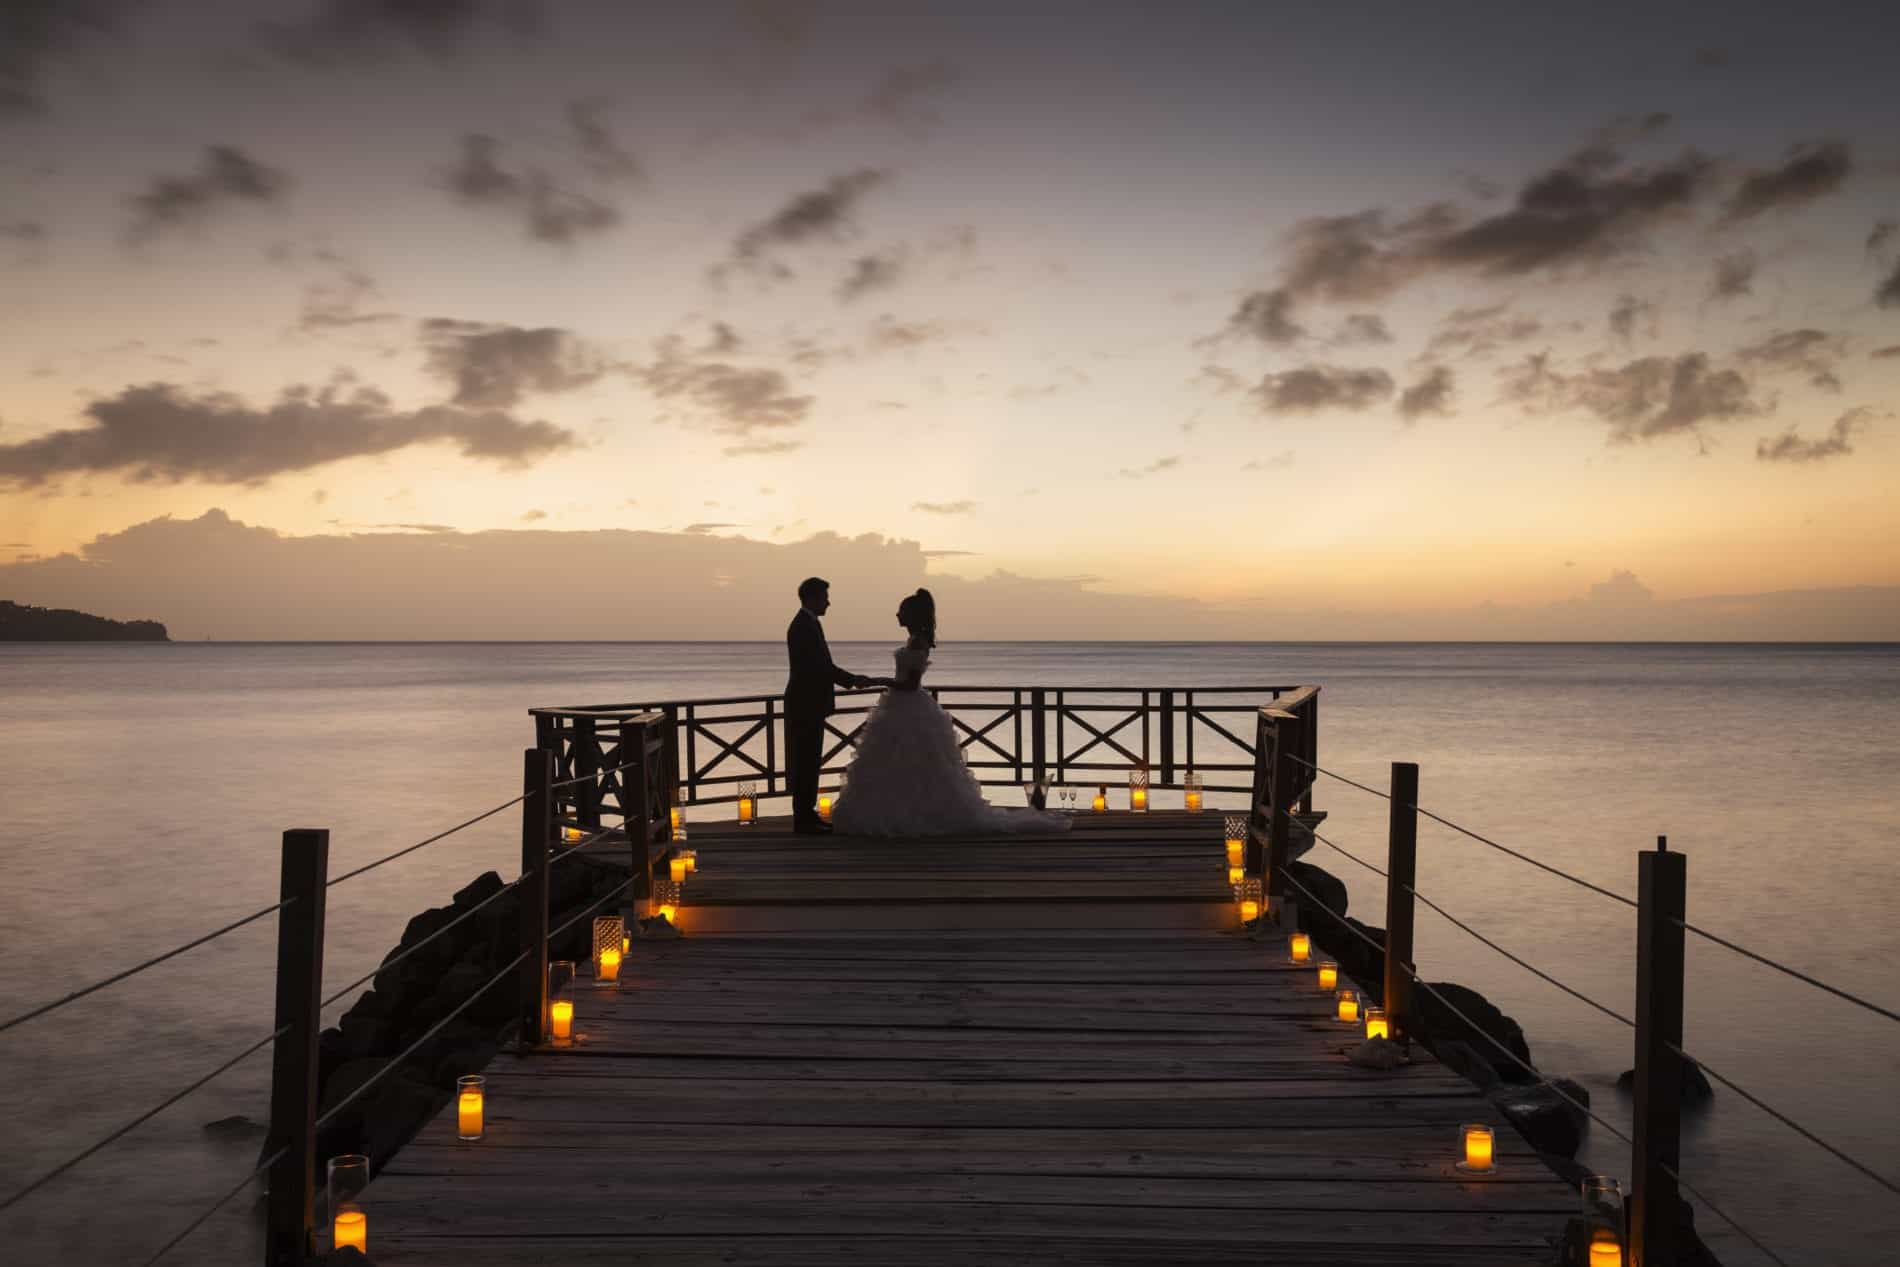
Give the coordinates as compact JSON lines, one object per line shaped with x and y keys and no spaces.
{"x":626,"y":944}
{"x":675,"y":817}
{"x":350,"y":1228}
{"x":1301,"y":947}
{"x":1605,"y":1251}
{"x":1328,"y":975}
{"x":468,"y":1107}
{"x":1478,"y":1147}
{"x":692,"y":861}
{"x":1138,"y":798}
{"x":1100,"y":803}
{"x":1348,"y":1006}
{"x":746,"y":810}
{"x":1193,"y":800}
{"x":676,"y":869}
{"x":561,"y":1017}
{"x":608,"y":969}
{"x":668,"y":910}
{"x":1249,"y":910}
{"x":824,"y":806}
{"x":1235,"y":874}
{"x":1236,"y":851}
{"x":1376,"y":1024}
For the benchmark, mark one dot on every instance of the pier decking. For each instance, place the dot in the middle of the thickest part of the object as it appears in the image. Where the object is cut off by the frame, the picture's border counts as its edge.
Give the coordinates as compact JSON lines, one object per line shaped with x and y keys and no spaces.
{"x":1052,"y":1049}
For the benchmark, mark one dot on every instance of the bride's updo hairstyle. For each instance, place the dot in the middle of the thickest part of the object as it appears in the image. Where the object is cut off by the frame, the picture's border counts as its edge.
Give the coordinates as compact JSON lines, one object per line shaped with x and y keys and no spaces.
{"x":918,"y":613}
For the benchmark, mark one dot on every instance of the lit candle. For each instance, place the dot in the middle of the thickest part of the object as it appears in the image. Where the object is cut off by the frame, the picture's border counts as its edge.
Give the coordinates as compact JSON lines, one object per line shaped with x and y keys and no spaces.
{"x":746,"y":811}
{"x":1100,"y":803}
{"x":1235,"y":874}
{"x":351,"y":1228}
{"x":1138,"y":798}
{"x":1300,"y":946}
{"x":1194,"y":800}
{"x":626,"y":944}
{"x":676,"y":868}
{"x":1249,"y":910}
{"x":1236,"y":851}
{"x":676,"y":816}
{"x":1376,"y":1024}
{"x":561,"y":1017}
{"x":609,"y":967}
{"x":824,"y":806}
{"x":668,"y":911}
{"x":468,"y":1107}
{"x":1348,"y":1006}
{"x":1328,"y":975}
{"x":1605,"y":1251}
{"x":1478,"y":1146}
{"x":692,"y":860}
{"x":570,"y":833}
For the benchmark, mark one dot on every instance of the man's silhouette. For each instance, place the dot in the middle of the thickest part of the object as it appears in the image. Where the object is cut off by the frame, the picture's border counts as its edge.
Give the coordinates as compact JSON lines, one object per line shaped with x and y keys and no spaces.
{"x":810,"y":697}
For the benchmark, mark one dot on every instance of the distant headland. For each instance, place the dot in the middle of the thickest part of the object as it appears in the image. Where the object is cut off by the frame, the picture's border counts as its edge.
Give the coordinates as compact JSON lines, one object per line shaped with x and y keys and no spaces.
{"x":19,"y":623}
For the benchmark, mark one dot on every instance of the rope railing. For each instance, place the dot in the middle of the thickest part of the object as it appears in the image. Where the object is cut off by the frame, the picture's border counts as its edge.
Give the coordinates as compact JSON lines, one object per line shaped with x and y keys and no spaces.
{"x":409,"y":849}
{"x":219,"y":1204}
{"x":153,"y":962}
{"x":1796,"y":973}
{"x":1791,"y":1124}
{"x":1529,"y":967}
{"x":599,"y":902}
{"x":1720,"y":1213}
{"x":589,"y":778}
{"x":138,"y":1121}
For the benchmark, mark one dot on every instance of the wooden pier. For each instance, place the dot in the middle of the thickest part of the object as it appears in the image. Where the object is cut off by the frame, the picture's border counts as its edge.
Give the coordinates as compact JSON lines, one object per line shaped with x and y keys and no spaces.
{"x":1052,"y":1049}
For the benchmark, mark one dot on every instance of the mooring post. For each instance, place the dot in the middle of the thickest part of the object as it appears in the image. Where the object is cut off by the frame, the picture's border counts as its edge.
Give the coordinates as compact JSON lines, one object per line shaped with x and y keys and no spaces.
{"x":1280,"y":827}
{"x":1656,"y":1149}
{"x":537,"y":827}
{"x":1401,"y":869}
{"x":1040,"y":734}
{"x":290,"y":1220}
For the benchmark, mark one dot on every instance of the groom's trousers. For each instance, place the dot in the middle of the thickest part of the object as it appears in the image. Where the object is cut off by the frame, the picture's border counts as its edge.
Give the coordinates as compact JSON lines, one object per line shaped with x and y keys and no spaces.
{"x":804,"y":744}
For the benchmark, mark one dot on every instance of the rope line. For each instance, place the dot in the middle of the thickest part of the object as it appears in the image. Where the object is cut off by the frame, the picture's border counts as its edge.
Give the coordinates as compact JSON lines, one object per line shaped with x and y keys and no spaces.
{"x":1531,"y":968}
{"x":1720,"y":1213}
{"x":138,"y":1121}
{"x":589,"y":778}
{"x":1524,"y":857}
{"x":1795,"y":973}
{"x":1543,"y":1079}
{"x":431,"y":1032}
{"x":597,"y":903}
{"x":149,"y":963}
{"x":387,"y":964}
{"x":1384,"y":796}
{"x":1379,"y":871}
{"x":1791,"y":1124}
{"x":219,"y":1204}
{"x":371,"y":866}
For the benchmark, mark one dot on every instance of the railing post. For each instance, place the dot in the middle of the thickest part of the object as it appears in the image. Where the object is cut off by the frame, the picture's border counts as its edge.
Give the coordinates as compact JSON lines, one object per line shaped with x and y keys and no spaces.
{"x":1309,"y":734}
{"x":1280,"y":827}
{"x":673,"y":755}
{"x":1167,"y":737}
{"x":1041,"y":736}
{"x":537,"y":827}
{"x":1401,"y":867}
{"x":587,"y":767}
{"x":1656,"y":1149}
{"x":290,"y":1224}
{"x":771,"y":748}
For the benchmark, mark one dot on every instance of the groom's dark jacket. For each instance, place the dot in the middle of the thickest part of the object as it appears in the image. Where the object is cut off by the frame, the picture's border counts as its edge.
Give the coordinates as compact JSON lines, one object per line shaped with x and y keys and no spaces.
{"x":811,"y":689}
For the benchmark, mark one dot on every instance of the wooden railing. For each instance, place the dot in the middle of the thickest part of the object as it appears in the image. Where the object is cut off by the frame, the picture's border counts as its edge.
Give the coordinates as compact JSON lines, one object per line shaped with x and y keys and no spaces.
{"x":1010,"y":735}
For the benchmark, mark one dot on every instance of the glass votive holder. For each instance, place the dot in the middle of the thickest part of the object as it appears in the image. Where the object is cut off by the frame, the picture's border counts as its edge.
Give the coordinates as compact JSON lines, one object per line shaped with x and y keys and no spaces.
{"x":610,"y":935}
{"x":692,"y":860}
{"x":1248,"y":895}
{"x":1346,"y":1006}
{"x":679,"y":822}
{"x":1191,"y":788}
{"x":1602,"y":1201}
{"x":1299,"y":947}
{"x":1138,"y":790}
{"x":825,"y":802}
{"x":1328,"y":975}
{"x":666,"y":900}
{"x":468,"y":1107}
{"x":561,"y":1001}
{"x":1235,"y":832}
{"x":1099,"y":804}
{"x":349,"y":1224}
{"x":1376,"y":1024}
{"x":1480,"y":1146}
{"x":748,"y":804}
{"x":676,"y":867}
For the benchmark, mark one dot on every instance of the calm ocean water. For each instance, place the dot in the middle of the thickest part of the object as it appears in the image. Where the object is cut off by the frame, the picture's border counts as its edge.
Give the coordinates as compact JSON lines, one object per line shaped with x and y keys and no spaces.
{"x":145,"y":788}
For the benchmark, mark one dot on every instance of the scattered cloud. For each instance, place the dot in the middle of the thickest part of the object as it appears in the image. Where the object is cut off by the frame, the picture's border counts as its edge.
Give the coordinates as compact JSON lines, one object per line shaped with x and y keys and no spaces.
{"x":1153,"y":468}
{"x":32,"y":32}
{"x":1806,"y":351}
{"x":1315,"y":387}
{"x":701,"y":529}
{"x":888,"y":333}
{"x":548,"y":212}
{"x":224,"y":176}
{"x":1267,"y":315}
{"x":493,"y":366}
{"x":1813,"y":169}
{"x":1640,"y":400}
{"x":1887,"y":294}
{"x":23,"y":231}
{"x":1278,"y":462}
{"x":1621,"y":590}
{"x":1431,"y":394}
{"x":1881,"y":234}
{"x":161,"y":432}
{"x":411,"y":527}
{"x":1473,"y":332}
{"x":1734,"y":276}
{"x":1629,"y":314}
{"x":902,"y":95}
{"x":339,"y":301}
{"x":878,"y":271}
{"x":338,"y":31}
{"x":761,"y":448}
{"x":1790,"y":447}
{"x":1363,"y":327}
{"x":1887,"y":353}
{"x":601,"y":151}
{"x":746,"y":403}
{"x":818,"y":215}
{"x":533,"y":516}
{"x":944,"y":508}
{"x":943,"y":554}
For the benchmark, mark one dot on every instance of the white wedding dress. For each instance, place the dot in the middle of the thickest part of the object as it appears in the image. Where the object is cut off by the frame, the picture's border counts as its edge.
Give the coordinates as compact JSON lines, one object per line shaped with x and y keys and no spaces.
{"x":909,"y":776}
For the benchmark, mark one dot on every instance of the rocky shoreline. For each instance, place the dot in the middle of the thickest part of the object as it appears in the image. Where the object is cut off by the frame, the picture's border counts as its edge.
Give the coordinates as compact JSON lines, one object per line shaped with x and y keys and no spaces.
{"x":1541,"y":1115}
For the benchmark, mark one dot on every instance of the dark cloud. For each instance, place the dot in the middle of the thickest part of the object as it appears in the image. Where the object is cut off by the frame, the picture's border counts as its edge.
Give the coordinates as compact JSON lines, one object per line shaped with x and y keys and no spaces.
{"x":819,"y":215}
{"x":902,"y":95}
{"x":1640,"y":400}
{"x":1267,"y":315}
{"x":870,"y":273}
{"x":23,"y":231}
{"x":338,"y":31}
{"x":161,"y":432}
{"x":944,"y":508}
{"x":225,"y":175}
{"x":339,"y":302}
{"x":32,"y":32}
{"x":1734,"y":276}
{"x":1153,"y":468}
{"x":1887,"y":353}
{"x":601,"y":151}
{"x":493,"y":366}
{"x":411,"y":527}
{"x":548,"y":212}
{"x":1887,"y":294}
{"x":723,"y":340}
{"x":1363,"y":327}
{"x":1882,"y":233}
{"x":1629,"y":313}
{"x":701,"y":529}
{"x":1807,"y":351}
{"x":888,"y":333}
{"x":1431,"y":394}
{"x":1474,"y":332}
{"x":1790,"y":447}
{"x":1812,"y":170}
{"x":1315,"y":387}
{"x":748,"y":404}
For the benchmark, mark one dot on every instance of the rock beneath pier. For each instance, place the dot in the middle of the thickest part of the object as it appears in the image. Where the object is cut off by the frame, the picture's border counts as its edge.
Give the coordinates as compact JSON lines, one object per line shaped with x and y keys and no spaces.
{"x":1462,"y":1059}
{"x":477,"y":891}
{"x":235,"y":1127}
{"x":1696,"y":1090}
{"x":1486,"y":1022}
{"x":1542,"y":1116}
{"x":1328,"y":889}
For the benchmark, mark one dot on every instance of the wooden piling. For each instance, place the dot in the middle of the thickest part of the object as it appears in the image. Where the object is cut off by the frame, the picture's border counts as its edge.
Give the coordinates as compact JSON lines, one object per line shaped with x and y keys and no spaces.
{"x":537,"y":827}
{"x":1401,"y":866}
{"x":1656,"y":1148}
{"x":290,"y":1219}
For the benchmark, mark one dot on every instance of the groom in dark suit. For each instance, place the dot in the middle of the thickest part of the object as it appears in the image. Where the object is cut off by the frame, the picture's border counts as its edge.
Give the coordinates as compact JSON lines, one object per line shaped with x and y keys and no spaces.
{"x":810,"y":698}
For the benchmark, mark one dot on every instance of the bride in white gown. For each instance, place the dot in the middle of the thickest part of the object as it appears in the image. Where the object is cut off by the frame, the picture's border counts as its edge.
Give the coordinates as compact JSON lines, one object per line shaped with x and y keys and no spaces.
{"x":909,"y":776}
